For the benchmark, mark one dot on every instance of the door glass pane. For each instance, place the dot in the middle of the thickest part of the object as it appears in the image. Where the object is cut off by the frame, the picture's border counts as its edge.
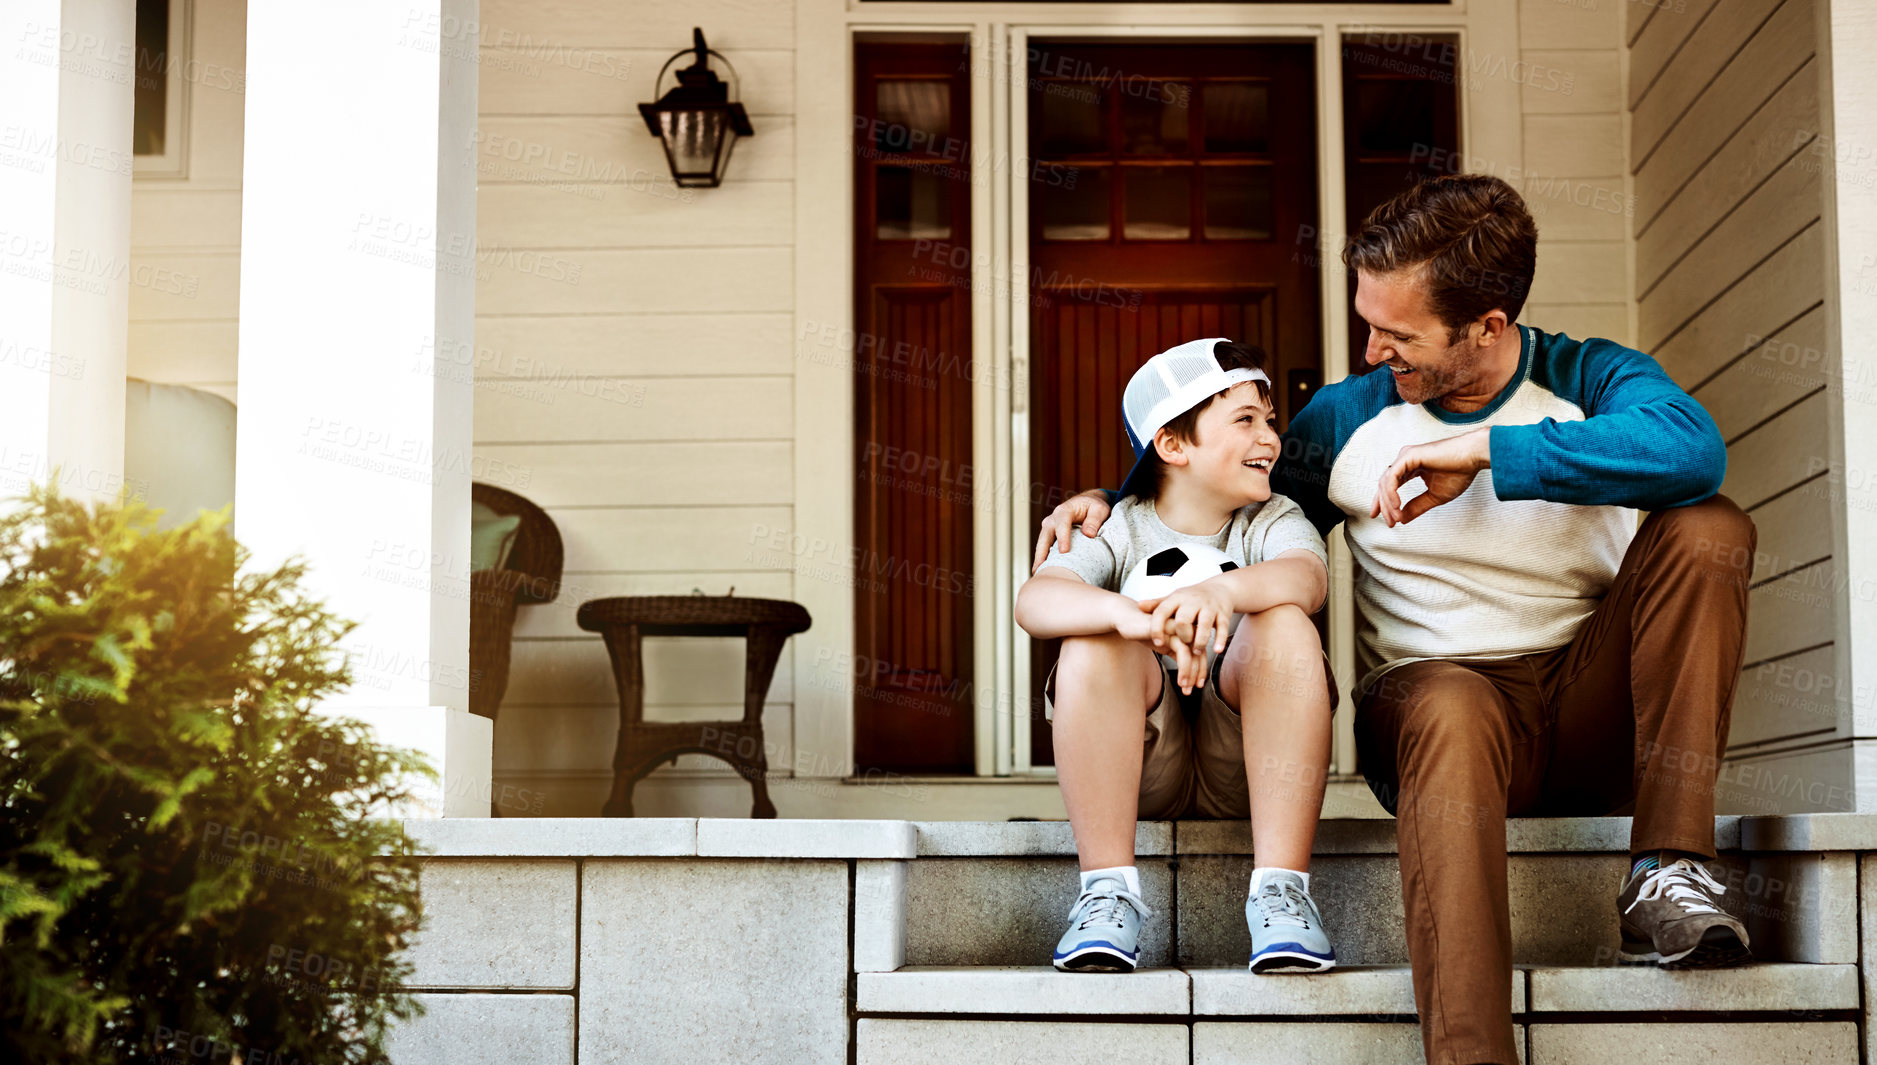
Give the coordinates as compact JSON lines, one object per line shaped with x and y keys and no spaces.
{"x":1153,"y":116}
{"x":1071,"y":119}
{"x":1238,"y":202}
{"x":1159,"y":203}
{"x":1395,"y":114}
{"x":914,"y":116}
{"x":1237,"y":116}
{"x":911,"y":203}
{"x":1077,"y":211}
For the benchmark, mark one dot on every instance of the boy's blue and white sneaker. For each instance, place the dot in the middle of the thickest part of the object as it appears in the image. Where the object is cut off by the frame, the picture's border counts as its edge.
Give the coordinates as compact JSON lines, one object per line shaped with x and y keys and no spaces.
{"x":1286,"y":930}
{"x":1104,"y":930}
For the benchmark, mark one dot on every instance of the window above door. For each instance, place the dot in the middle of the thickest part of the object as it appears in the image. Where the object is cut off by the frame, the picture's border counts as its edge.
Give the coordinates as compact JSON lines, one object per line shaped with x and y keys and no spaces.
{"x":160,"y":111}
{"x":1168,"y":160}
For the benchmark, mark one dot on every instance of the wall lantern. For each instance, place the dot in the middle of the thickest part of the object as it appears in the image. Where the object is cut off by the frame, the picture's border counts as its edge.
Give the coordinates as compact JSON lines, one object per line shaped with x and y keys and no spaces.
{"x":697,"y":120}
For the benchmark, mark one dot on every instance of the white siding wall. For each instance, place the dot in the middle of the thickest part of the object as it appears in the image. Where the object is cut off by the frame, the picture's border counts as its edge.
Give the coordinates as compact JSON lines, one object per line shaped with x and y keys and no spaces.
{"x":1570,"y":81}
{"x":185,"y":235}
{"x":633,"y":362}
{"x":1730,"y":287}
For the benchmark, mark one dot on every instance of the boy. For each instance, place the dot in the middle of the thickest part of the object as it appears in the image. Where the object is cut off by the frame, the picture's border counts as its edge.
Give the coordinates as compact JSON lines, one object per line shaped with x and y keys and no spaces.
{"x":1205,"y":439}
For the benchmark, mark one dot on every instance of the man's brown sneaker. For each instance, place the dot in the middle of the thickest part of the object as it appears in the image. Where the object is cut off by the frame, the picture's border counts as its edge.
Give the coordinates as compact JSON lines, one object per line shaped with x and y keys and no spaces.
{"x":1672,"y":917}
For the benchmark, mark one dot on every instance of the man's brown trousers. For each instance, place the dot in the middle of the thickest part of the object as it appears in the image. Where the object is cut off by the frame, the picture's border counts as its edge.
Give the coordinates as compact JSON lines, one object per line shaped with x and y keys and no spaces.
{"x":1632,"y":713}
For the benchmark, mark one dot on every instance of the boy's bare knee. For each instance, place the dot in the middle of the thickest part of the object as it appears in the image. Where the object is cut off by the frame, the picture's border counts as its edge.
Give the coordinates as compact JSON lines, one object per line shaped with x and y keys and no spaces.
{"x":1285,"y":620}
{"x":1093,"y":650}
{"x":1284,"y":629}
{"x":1278,"y":647}
{"x":1099,"y":661}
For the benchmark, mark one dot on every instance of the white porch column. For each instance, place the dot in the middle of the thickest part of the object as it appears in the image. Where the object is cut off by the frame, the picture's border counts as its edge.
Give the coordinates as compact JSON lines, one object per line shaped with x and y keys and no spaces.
{"x":357,"y":268}
{"x":1849,"y":32}
{"x":66,"y":85}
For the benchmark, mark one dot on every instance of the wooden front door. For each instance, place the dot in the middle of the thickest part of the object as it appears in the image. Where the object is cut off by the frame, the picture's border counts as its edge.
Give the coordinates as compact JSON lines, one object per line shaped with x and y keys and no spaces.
{"x":1172,"y":196}
{"x":912,"y":669}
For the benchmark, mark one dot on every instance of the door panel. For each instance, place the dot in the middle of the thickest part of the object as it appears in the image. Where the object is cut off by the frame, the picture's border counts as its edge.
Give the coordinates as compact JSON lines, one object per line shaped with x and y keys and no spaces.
{"x":912,"y":672}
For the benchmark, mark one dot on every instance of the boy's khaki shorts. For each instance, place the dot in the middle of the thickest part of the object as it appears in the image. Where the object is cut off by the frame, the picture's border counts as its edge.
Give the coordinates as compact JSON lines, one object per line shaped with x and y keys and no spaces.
{"x":1192,"y":768}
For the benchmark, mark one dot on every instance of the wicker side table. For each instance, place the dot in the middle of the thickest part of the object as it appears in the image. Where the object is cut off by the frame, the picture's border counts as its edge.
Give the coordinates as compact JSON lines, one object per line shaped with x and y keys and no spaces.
{"x":624,"y":622}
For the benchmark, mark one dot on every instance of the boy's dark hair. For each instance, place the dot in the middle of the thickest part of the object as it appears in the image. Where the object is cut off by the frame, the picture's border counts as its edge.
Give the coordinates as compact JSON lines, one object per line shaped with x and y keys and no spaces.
{"x":1471,"y":237}
{"x":1185,"y":427}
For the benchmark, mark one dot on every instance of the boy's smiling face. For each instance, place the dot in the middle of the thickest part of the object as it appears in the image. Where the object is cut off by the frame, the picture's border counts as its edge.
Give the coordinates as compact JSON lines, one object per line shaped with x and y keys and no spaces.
{"x":1236,"y":447}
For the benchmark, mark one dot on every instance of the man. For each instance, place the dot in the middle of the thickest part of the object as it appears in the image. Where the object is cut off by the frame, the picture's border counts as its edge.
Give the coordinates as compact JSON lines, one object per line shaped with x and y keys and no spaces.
{"x":1526,"y":649}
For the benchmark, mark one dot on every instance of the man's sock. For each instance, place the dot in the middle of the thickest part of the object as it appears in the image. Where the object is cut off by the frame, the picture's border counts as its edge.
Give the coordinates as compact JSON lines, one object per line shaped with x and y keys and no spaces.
{"x":1258,"y":876}
{"x":1127,"y":874}
{"x":1653,"y":860}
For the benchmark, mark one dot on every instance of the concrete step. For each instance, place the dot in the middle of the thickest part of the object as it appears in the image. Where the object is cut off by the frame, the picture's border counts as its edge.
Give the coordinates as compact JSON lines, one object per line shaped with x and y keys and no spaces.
{"x":1359,"y":1014}
{"x":1366,"y":991}
{"x":1372,"y":991}
{"x":991,"y":894}
{"x":1794,"y":987}
{"x":1024,"y":989}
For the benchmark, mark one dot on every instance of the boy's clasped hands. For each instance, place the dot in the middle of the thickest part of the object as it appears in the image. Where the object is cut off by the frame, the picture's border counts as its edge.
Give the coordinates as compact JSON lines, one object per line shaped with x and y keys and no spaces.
{"x":1182,"y":623}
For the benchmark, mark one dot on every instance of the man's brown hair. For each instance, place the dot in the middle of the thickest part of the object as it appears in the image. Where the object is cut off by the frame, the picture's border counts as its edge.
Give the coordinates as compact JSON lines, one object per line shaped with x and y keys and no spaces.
{"x":1470,"y":237}
{"x":1185,"y":425}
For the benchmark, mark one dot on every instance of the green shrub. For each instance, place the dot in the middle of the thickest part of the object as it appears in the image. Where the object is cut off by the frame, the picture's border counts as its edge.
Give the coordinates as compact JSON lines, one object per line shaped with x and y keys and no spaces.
{"x":188,"y":867}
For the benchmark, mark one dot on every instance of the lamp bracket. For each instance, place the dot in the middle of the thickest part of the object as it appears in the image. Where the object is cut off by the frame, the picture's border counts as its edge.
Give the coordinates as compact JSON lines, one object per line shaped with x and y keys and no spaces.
{"x":699,"y":50}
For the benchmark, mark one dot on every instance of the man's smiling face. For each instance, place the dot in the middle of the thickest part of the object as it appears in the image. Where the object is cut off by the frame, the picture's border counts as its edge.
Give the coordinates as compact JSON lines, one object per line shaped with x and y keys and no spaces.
{"x":1408,"y":339}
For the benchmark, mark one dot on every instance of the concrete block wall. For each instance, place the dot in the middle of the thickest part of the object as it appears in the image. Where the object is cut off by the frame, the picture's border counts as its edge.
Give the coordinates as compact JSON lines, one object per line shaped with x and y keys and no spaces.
{"x":657,"y":940}
{"x":502,"y":934}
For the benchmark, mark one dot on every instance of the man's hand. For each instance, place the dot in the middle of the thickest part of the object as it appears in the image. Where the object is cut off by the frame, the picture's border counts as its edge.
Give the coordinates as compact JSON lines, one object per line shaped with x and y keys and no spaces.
{"x":1447,"y":467}
{"x":1188,"y":619}
{"x":1089,"y":508}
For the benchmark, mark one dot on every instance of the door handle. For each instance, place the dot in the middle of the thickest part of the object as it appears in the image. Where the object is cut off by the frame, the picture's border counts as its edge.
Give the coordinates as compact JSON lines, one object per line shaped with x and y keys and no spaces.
{"x":1301,"y":384}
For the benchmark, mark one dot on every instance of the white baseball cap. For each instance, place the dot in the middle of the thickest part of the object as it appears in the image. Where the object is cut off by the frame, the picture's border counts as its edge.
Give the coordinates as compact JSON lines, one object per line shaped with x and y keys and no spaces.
{"x":1167,"y":386}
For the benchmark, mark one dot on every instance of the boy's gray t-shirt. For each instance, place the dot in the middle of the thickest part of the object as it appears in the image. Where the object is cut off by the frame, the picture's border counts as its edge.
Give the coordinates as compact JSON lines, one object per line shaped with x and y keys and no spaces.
{"x":1134,"y":531}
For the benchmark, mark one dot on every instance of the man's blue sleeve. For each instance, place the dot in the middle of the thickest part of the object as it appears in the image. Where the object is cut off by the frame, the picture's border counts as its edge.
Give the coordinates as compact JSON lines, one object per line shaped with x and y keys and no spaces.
{"x":1303,"y":469}
{"x":1643,"y":442}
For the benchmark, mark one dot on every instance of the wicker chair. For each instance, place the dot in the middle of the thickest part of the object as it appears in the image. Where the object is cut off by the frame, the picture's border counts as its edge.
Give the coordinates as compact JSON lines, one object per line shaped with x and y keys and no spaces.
{"x":532,"y":575}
